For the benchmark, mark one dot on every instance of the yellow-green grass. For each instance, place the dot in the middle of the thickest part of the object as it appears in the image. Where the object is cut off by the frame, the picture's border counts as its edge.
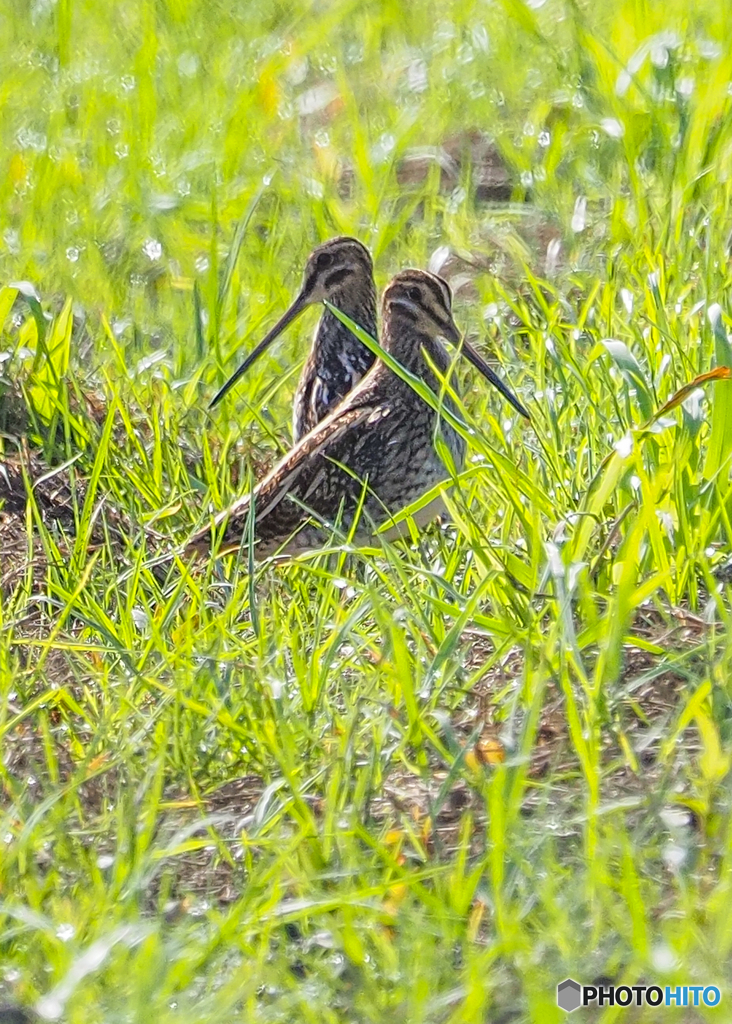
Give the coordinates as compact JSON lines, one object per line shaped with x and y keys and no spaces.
{"x":425,"y":783}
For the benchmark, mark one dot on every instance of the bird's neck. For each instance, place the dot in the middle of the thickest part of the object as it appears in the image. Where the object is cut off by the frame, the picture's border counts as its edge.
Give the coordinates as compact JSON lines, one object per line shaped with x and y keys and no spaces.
{"x":332,"y":335}
{"x":411,"y":347}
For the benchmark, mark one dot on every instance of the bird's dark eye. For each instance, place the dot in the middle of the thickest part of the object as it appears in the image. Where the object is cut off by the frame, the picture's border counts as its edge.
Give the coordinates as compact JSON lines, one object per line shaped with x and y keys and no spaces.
{"x":324,"y":260}
{"x":414,"y":293}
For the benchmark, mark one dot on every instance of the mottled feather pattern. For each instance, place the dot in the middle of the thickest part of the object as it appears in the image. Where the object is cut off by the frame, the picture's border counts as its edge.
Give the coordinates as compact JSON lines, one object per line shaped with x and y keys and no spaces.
{"x":337,"y":359}
{"x":375,"y":453}
{"x":379,"y":439}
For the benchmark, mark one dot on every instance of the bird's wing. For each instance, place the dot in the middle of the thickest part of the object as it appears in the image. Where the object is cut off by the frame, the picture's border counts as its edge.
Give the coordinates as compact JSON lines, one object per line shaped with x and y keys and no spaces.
{"x":297,"y":472}
{"x":300,"y":473}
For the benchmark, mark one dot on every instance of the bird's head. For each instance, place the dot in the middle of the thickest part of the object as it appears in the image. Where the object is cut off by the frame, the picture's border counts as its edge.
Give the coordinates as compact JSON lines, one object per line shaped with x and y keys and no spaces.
{"x":417,"y":306}
{"x":337,"y":266}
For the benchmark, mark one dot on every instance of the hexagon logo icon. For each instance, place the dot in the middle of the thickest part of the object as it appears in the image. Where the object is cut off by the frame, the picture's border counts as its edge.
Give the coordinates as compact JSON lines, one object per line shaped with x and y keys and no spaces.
{"x":569,"y":995}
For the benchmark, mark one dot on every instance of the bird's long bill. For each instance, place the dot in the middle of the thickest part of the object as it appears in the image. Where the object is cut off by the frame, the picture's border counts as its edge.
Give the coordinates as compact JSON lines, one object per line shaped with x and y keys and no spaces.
{"x":480,"y":364}
{"x":297,"y":307}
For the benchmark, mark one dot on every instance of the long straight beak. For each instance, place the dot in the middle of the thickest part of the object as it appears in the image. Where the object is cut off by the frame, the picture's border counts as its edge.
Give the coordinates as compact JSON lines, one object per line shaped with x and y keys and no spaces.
{"x":298,"y":306}
{"x":480,"y":364}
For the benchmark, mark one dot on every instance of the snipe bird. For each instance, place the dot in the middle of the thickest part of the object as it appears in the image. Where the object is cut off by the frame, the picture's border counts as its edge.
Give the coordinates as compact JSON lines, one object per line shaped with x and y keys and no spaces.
{"x":375,"y":453}
{"x":341,"y":271}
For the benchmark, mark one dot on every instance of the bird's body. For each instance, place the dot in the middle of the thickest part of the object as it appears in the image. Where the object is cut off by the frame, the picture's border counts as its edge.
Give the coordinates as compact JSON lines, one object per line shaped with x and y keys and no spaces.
{"x":374,"y":454}
{"x":337,"y":360}
{"x":341,"y":271}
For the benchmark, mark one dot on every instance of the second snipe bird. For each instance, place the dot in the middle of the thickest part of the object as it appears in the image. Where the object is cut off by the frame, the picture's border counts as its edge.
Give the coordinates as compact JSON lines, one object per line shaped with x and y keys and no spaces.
{"x":373,"y":455}
{"x":341,"y":271}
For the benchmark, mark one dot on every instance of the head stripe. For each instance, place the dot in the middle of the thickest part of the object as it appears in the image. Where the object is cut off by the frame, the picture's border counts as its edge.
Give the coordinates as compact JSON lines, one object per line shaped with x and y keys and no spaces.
{"x":343,"y":245}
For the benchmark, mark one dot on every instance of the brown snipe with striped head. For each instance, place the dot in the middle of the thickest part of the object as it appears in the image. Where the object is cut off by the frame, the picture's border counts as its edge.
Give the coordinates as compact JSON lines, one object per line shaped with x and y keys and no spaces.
{"x":375,"y":453}
{"x":341,"y":271}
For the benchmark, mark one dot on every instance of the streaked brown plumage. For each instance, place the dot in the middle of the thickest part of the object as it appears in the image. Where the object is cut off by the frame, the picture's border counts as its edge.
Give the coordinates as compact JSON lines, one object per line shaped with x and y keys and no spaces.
{"x":375,"y":451}
{"x":341,"y":271}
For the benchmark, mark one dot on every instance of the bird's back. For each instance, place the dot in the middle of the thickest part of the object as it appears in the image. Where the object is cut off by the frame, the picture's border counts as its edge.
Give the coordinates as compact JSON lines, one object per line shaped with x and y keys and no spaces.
{"x":375,"y":453}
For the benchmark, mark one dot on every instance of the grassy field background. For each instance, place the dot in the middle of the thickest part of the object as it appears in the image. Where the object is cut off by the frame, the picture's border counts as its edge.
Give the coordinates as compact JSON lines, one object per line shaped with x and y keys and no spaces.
{"x":425,"y":783}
